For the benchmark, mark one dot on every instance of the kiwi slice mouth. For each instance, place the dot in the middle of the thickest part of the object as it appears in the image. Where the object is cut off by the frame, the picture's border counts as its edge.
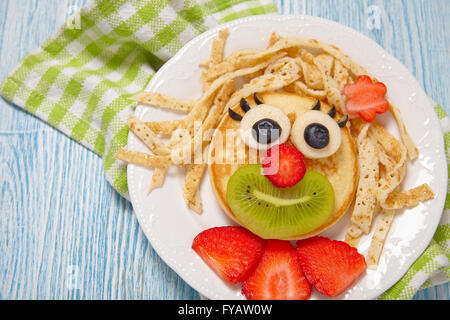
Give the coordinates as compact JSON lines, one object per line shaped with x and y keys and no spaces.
{"x":279,"y":213}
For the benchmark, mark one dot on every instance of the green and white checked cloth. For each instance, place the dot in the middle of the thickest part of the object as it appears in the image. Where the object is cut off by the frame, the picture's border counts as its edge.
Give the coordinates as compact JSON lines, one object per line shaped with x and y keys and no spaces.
{"x":80,"y":79}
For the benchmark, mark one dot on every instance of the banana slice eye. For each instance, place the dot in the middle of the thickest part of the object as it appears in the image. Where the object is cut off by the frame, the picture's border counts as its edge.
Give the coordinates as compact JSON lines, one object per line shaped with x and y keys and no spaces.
{"x":316,"y":134}
{"x":264,"y":126}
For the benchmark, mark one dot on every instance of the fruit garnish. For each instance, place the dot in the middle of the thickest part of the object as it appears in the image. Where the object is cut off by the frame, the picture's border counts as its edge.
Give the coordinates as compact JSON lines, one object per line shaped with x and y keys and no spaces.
{"x":264,"y":126}
{"x":257,"y":98}
{"x":278,"y":275}
{"x":232,"y":252}
{"x":366,"y":98}
{"x":279,"y":213}
{"x":284,"y":166}
{"x":330,"y":266}
{"x":316,"y":134}
{"x":266,"y":130}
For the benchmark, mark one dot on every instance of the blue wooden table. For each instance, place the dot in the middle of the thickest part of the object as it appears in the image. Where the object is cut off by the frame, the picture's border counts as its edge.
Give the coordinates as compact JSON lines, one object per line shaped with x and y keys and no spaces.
{"x":66,"y":234}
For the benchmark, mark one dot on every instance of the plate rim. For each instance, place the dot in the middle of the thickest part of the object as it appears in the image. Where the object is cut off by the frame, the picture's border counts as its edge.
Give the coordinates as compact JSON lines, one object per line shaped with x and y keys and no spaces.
{"x":415,"y":253}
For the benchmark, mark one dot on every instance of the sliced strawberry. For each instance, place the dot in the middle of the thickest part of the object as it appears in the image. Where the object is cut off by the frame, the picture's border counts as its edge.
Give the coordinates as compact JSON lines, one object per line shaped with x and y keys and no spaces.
{"x":366,"y":98}
{"x":232,"y":252}
{"x":331,"y":266}
{"x":278,"y":275}
{"x":284,"y":165}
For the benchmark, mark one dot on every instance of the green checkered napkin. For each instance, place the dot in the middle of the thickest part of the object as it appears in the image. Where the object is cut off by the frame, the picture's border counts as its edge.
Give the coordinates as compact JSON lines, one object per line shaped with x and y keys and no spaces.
{"x":80,"y":79}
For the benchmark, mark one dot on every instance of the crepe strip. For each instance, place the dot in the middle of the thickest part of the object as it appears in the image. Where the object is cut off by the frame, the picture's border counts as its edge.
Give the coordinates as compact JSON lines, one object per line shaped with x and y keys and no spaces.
{"x":242,"y":53}
{"x":274,"y":38}
{"x":311,"y":73}
{"x":353,"y":235}
{"x":317,"y":76}
{"x":382,"y":226}
{"x":218,"y":45}
{"x":287,"y":74}
{"x":157,"y":180}
{"x":365,"y":199}
{"x":182,"y":148}
{"x":281,"y":64}
{"x":147,"y":136}
{"x":180,"y":144}
{"x":164,"y":101}
{"x":327,"y":62}
{"x":340,"y":75}
{"x":411,"y":148}
{"x":143,"y":159}
{"x":217,"y":49}
{"x":230,"y":65}
{"x":409,"y":198}
{"x":397,"y":151}
{"x":334,"y":94}
{"x":196,"y":205}
{"x":165,"y":128}
{"x":215,"y":113}
{"x":302,"y":89}
{"x":156,"y":145}
{"x":365,"y":202}
{"x":217,"y":52}
{"x":196,"y":171}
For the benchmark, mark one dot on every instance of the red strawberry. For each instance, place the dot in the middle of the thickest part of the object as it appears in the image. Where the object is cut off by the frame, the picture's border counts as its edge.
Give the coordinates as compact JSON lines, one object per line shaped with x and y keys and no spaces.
{"x":366,"y":98}
{"x":284,"y":166}
{"x":331,"y":266}
{"x":278,"y":275}
{"x":232,"y":252}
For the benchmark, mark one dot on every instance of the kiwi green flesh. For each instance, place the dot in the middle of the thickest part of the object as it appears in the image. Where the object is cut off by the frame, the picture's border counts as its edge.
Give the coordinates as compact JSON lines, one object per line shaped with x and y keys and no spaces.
{"x":279,"y":213}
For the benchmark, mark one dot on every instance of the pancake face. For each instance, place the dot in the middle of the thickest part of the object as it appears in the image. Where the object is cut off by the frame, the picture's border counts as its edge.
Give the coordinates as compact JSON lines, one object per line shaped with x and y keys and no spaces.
{"x":341,"y":169}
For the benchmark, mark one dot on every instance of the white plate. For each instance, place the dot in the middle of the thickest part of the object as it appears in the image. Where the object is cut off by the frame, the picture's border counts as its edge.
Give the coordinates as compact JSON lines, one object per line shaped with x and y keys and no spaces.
{"x":171,"y":227}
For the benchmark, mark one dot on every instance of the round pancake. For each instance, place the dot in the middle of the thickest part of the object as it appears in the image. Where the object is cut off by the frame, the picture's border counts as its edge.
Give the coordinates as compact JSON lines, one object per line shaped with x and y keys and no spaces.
{"x":341,"y":168}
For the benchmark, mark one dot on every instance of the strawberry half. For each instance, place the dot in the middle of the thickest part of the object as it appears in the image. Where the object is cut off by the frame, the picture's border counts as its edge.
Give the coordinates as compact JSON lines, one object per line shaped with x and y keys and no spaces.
{"x":278,"y":275}
{"x":366,"y":98}
{"x":232,"y":252}
{"x":284,"y":165}
{"x":331,"y":266}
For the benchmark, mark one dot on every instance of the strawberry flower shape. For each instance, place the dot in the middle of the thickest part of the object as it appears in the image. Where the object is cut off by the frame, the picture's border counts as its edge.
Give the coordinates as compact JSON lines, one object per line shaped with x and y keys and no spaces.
{"x":366,"y":98}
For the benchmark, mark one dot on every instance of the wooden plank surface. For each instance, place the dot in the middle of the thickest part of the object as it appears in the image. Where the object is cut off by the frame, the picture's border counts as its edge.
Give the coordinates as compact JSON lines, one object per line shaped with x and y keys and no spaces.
{"x":66,"y":234}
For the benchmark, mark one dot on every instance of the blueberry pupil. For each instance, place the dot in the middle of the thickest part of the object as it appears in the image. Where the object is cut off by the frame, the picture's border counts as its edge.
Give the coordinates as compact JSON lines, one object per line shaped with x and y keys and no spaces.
{"x":317,"y":136}
{"x":266,"y":130}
